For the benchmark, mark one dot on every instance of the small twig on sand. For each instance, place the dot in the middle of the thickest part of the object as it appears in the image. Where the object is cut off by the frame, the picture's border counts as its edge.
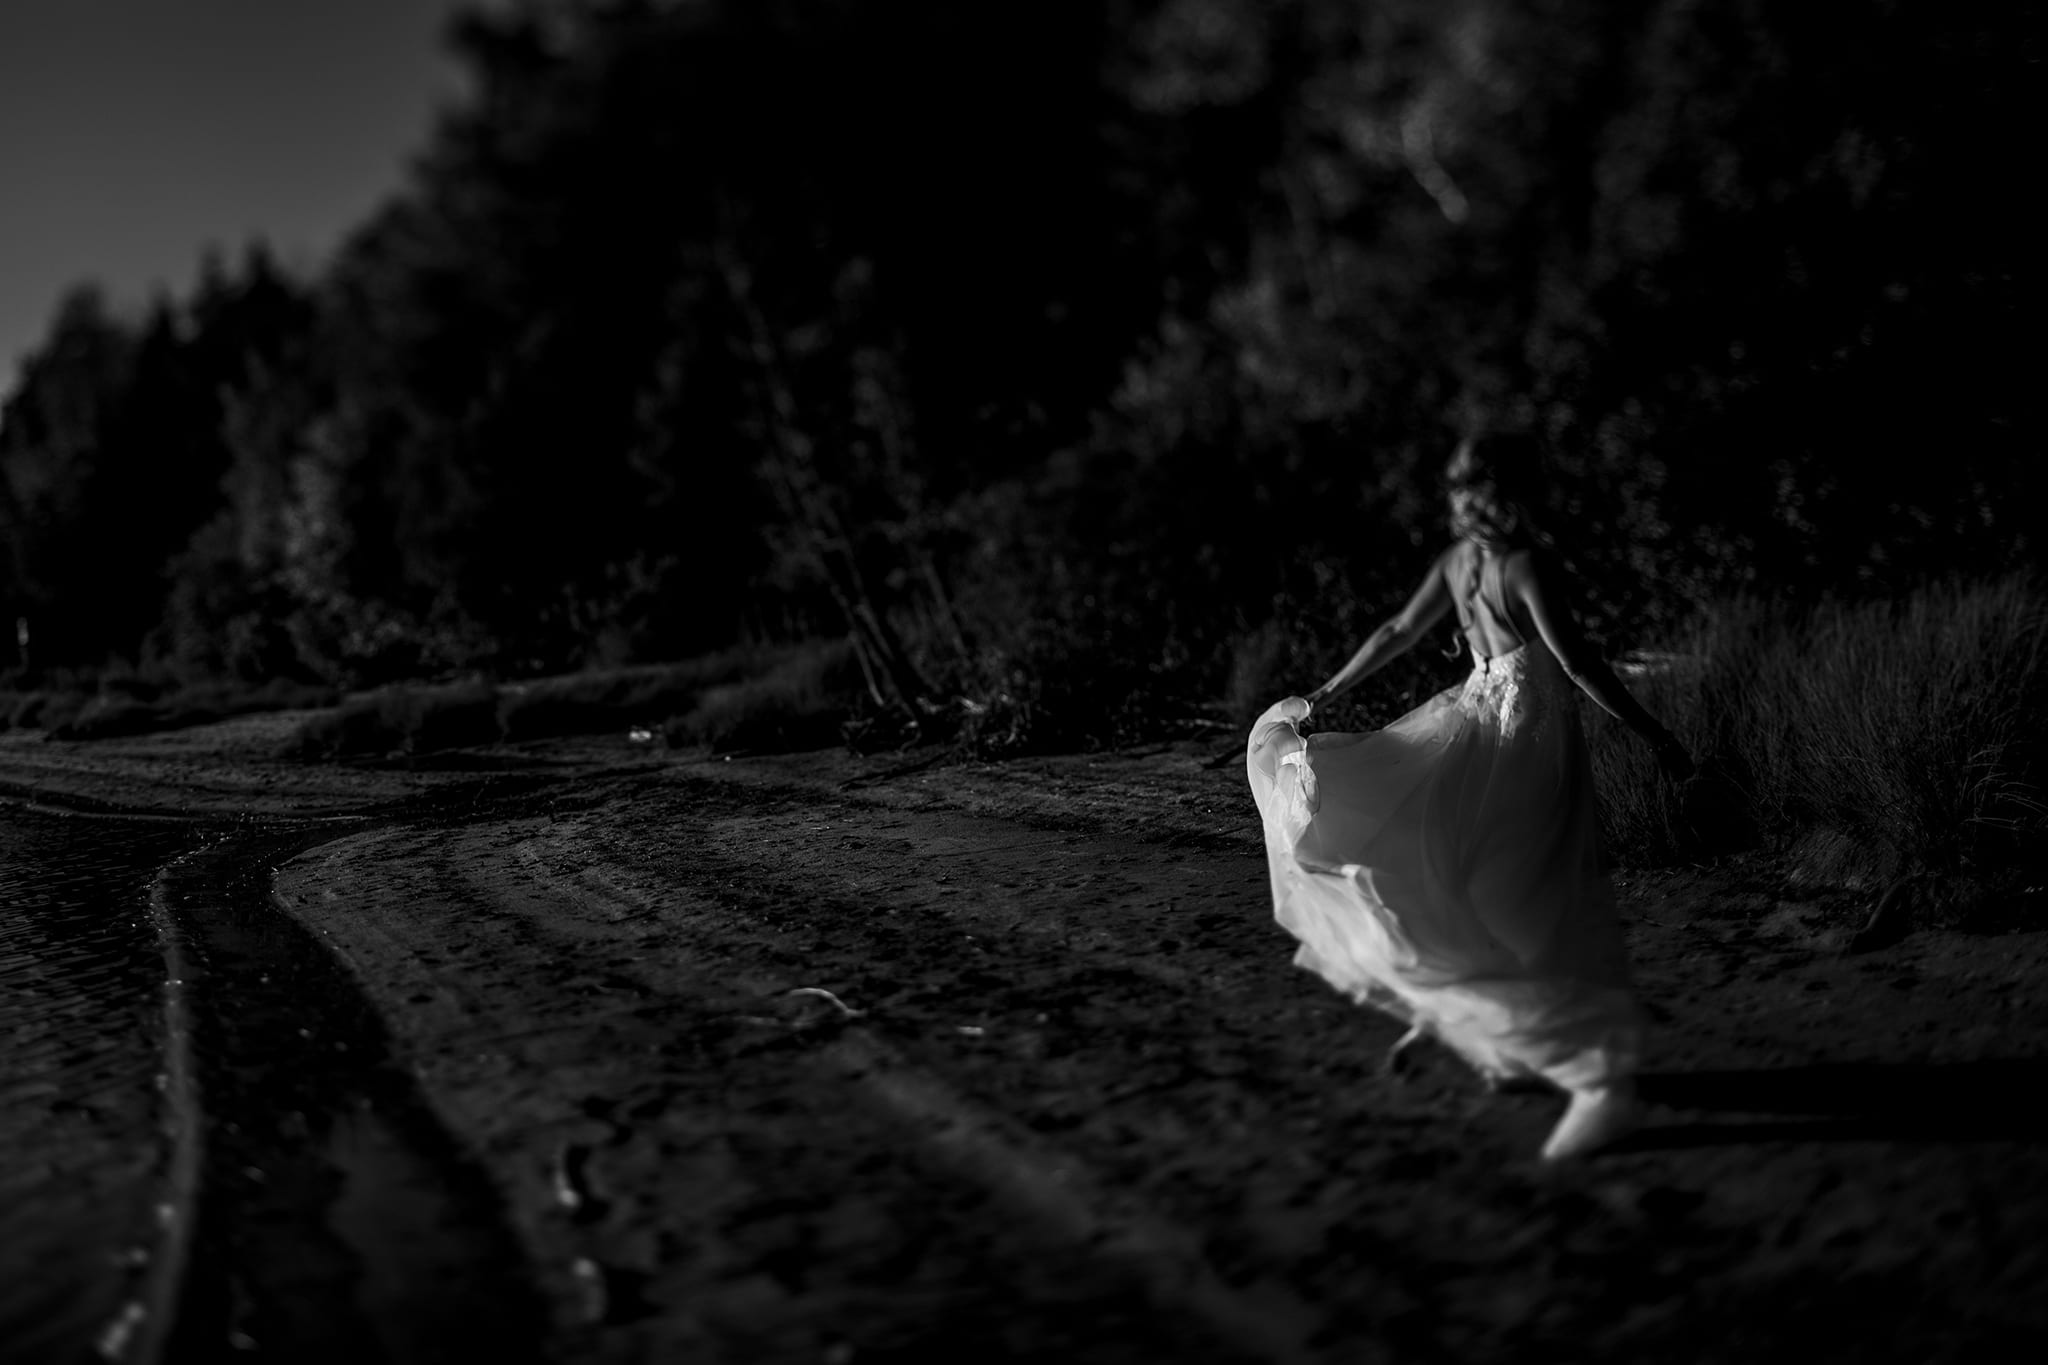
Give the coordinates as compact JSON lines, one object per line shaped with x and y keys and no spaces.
{"x":821,"y":993}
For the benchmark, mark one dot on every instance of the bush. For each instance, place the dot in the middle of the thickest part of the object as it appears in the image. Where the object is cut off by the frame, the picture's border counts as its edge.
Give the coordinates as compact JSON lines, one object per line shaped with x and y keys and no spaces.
{"x":402,"y":719}
{"x":780,"y":697}
{"x":41,"y":708}
{"x":615,"y":699}
{"x":432,"y":719}
{"x":357,"y":728}
{"x":800,"y":703}
{"x":130,"y":711}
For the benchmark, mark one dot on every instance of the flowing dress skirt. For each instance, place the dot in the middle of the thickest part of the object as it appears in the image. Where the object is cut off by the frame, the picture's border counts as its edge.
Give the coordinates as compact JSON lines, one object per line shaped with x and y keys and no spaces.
{"x":1447,"y":870}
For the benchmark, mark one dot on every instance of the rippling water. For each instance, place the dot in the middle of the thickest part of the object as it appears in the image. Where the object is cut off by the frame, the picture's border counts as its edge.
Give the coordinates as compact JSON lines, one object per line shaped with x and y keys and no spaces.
{"x":81,"y":1036}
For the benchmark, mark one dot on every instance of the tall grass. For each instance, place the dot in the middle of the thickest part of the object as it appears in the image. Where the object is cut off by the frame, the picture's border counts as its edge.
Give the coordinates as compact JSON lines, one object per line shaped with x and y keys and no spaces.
{"x":1892,"y":737}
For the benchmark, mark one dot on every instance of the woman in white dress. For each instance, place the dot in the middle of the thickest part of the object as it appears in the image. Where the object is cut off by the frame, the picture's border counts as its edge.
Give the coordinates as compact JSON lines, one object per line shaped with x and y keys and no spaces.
{"x":1447,"y":869}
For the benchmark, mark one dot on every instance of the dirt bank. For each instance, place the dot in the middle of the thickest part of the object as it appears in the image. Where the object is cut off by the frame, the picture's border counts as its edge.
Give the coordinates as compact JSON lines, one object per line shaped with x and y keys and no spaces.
{"x":830,"y":1059}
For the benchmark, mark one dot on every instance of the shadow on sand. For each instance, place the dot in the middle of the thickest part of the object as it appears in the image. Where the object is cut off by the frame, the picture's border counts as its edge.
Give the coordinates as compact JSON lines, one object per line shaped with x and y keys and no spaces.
{"x":1996,"y":1100}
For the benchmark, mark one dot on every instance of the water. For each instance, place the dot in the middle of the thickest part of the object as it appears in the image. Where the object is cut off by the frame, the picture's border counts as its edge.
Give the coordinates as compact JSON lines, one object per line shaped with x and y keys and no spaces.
{"x":83,"y":1127}
{"x":207,"y":1147}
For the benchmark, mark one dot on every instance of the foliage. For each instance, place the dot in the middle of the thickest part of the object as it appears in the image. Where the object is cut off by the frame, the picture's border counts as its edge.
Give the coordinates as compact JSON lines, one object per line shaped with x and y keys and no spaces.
{"x":1086,"y":368}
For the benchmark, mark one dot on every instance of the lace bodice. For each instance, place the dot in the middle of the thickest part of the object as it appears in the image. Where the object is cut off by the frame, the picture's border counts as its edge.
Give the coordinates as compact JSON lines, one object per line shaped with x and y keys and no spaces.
{"x":1523,"y":691}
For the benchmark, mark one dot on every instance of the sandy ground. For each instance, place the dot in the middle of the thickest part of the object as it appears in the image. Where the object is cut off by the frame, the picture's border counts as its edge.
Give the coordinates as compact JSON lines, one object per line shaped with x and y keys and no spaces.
{"x":829,"y":1059}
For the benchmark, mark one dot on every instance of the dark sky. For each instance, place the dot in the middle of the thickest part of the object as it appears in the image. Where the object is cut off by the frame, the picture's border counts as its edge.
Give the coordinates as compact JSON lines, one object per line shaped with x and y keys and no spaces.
{"x":133,"y":133}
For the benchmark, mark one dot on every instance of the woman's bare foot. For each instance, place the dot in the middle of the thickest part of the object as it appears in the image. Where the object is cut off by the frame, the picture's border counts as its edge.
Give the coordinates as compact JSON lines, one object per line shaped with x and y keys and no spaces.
{"x":1594,"y":1118}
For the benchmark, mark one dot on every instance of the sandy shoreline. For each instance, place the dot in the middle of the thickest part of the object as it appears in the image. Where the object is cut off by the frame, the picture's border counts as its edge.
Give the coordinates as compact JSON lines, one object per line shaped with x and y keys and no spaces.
{"x":826,"y":1058}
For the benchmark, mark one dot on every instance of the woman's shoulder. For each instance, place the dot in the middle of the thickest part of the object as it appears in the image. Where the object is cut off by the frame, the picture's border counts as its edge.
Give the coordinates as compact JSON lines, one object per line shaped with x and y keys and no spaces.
{"x":1539,"y":576}
{"x":1527,"y":562}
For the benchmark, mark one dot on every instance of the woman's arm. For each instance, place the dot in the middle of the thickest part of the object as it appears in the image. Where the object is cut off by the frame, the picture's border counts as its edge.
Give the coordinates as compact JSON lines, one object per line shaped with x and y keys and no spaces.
{"x":1397,"y":635}
{"x":1544,"y":592}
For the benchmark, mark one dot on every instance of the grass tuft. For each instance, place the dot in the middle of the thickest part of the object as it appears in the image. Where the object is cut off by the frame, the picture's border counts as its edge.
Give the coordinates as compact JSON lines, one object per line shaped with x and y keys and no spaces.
{"x":1873,"y":740}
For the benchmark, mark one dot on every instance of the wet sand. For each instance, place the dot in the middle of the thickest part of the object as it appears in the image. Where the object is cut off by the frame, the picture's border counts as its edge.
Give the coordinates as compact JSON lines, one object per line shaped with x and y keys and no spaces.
{"x":818,"y":1058}
{"x":80,"y":1024}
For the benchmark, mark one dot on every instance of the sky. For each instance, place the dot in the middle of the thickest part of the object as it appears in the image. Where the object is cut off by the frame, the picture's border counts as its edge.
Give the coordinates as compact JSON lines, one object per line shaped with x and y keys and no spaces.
{"x":136,"y":133}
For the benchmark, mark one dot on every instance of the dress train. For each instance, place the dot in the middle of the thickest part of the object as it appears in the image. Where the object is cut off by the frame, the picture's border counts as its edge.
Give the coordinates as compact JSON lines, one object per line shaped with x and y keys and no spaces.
{"x":1447,"y":871}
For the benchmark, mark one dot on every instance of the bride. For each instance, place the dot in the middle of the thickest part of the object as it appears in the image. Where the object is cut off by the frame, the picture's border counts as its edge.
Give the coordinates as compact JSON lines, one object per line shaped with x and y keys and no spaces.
{"x":1447,"y":869}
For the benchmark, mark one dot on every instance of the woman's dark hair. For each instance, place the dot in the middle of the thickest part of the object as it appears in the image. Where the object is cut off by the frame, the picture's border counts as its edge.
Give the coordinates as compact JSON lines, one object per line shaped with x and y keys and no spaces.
{"x":1504,"y":473}
{"x":1495,"y":484}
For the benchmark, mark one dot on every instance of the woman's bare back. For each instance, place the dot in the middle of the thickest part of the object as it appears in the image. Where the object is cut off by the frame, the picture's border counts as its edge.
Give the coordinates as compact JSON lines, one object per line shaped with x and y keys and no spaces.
{"x":1483,"y":586}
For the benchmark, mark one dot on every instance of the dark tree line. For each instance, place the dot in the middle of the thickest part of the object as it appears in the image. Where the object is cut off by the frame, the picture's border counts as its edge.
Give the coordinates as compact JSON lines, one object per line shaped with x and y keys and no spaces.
{"x":1056,"y":352}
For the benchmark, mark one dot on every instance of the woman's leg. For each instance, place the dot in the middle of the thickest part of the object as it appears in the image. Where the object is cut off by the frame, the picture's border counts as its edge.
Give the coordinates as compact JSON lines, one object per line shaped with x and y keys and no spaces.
{"x":1596,"y":1116}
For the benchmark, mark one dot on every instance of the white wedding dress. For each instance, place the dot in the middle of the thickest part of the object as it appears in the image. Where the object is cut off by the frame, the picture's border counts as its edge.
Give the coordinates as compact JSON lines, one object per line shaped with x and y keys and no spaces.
{"x":1447,"y":869}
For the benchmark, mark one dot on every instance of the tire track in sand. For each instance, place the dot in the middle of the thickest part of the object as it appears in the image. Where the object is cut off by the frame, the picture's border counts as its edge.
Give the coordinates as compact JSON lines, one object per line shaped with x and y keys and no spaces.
{"x":1068,"y":1201}
{"x":320,"y":1213}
